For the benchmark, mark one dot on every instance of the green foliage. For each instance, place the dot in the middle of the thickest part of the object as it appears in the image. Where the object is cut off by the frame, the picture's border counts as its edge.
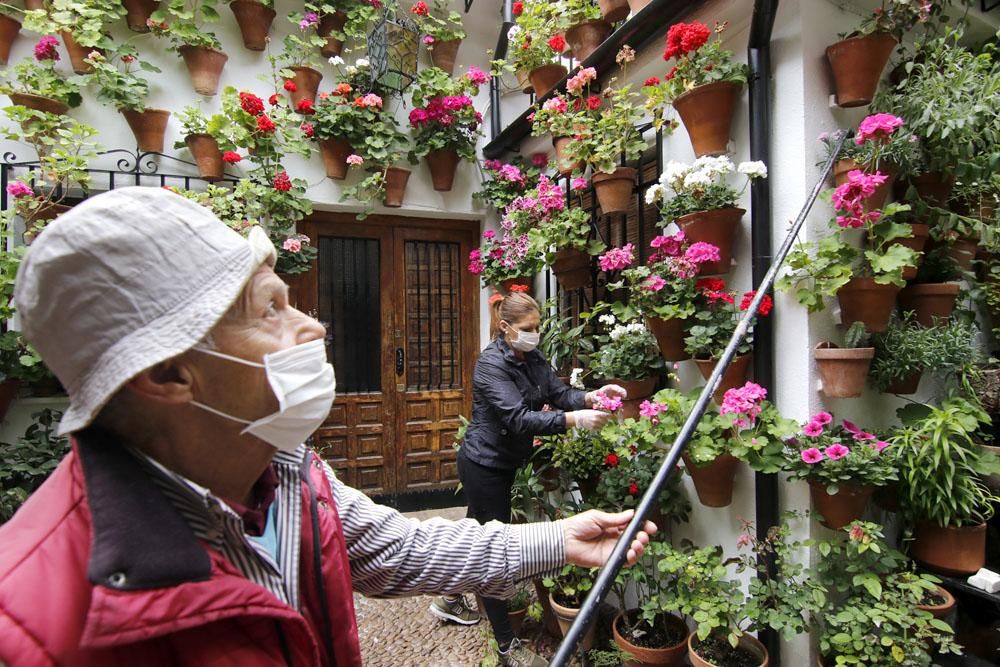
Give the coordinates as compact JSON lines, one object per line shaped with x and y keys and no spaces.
{"x":709,"y":64}
{"x":701,"y":588}
{"x":25,"y":465}
{"x":461,"y":132}
{"x":193,"y":121}
{"x":440,"y":22}
{"x":301,"y":47}
{"x":527,"y":494}
{"x":947,"y":350}
{"x":504,"y":182}
{"x":528,"y":48}
{"x":182,"y":21}
{"x":564,"y":344}
{"x":846,"y":455}
{"x":116,"y":79}
{"x":629,"y":352}
{"x":359,"y":14}
{"x":571,"y":585}
{"x":715,"y":322}
{"x":664,"y":287}
{"x":87,"y":20}
{"x":857,"y":336}
{"x":19,"y":360}
{"x":899,"y":17}
{"x":34,"y":77}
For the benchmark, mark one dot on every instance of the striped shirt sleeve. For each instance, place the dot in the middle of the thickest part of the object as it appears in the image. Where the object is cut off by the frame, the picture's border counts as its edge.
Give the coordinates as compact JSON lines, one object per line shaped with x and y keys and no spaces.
{"x":392,"y":555}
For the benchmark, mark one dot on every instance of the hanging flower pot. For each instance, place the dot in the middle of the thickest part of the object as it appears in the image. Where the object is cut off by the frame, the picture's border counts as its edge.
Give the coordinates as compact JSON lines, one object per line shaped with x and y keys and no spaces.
{"x":572,"y":268}
{"x":565,"y":616}
{"x":941,"y":606}
{"x":138,"y":12}
{"x":918,"y":239}
{"x":77,"y":53}
{"x":565,"y":165}
{"x":334,"y":152}
{"x":841,"y":508}
{"x":523,"y":82}
{"x":31,"y":5}
{"x":735,"y":375}
{"x":929,"y":301}
{"x":636,"y":391}
{"x":443,"y":164}
{"x":669,"y":337}
{"x":713,"y":481}
{"x":8,"y":33}
{"x":39,"y":103}
{"x":8,"y":392}
{"x":717,"y":227}
{"x":544,"y":78}
{"x":747,"y":643}
{"x":149,"y":127}
{"x":707,"y":114}
{"x":306,"y":82}
{"x":330,"y":23}
{"x":613,"y":11}
{"x":395,"y":186}
{"x":842,"y":371}
{"x":584,"y":38}
{"x":614,"y":191}
{"x":857,"y":65}
{"x":444,"y":53}
{"x":864,"y":300}
{"x":962,"y":251}
{"x":255,"y":19}
{"x":645,"y":656}
{"x":45,"y":212}
{"x":908,"y":384}
{"x":876,"y":200}
{"x":949,"y":550}
{"x":204,"y":66}
{"x":205,"y":150}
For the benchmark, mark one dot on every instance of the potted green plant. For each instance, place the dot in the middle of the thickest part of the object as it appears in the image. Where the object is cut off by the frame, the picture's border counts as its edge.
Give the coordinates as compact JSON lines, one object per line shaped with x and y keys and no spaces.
{"x":703,"y":205}
{"x":535,"y":46}
{"x":83,"y":25}
{"x":906,"y":350}
{"x":941,"y":492}
{"x":182,"y":23}
{"x":583,"y":25}
{"x":340,"y":20}
{"x":871,"y":615}
{"x":629,"y":356}
{"x":199,"y":138}
{"x":504,"y":260}
{"x":566,"y":342}
{"x":115,"y":74}
{"x":342,"y":117}
{"x":564,"y":116}
{"x":37,"y":84}
{"x":567,"y":590}
{"x":299,"y":60}
{"x":842,"y":370}
{"x":27,"y":463}
{"x":442,"y":30}
{"x":504,"y":182}
{"x":842,"y":464}
{"x":702,"y":87}
{"x":254,"y":18}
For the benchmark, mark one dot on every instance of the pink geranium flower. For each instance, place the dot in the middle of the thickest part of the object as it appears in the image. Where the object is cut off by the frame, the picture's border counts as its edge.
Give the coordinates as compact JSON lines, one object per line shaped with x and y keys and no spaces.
{"x":618,"y":258}
{"x":477,"y":76}
{"x":19,"y":189}
{"x":879,"y":445}
{"x":652,"y":410}
{"x":836,"y":451}
{"x":669,"y":246}
{"x":581,"y":79}
{"x":812,"y":455}
{"x":355,"y":160}
{"x":744,"y":402}
{"x":579,"y":183}
{"x":877,"y":126}
{"x":292,"y":245}
{"x":701,"y":252}
{"x":654,"y":284}
{"x":608,"y":403}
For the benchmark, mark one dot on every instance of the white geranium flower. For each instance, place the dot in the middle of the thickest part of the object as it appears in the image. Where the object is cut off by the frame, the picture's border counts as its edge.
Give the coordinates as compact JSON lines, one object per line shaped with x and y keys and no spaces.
{"x":755,"y":169}
{"x":697,"y":180}
{"x":673,"y":175}
{"x":337,"y":61}
{"x":576,"y":378}
{"x":655,"y":193}
{"x":351,"y":69}
{"x":514,"y":31}
{"x":618,"y":332}
{"x":714,"y":166}
{"x":362,"y":62}
{"x":607,"y":320}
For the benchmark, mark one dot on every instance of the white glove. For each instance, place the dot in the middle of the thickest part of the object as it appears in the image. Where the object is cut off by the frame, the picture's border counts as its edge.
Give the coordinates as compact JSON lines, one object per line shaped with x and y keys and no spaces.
{"x":588,"y":419}
{"x":609,"y":390}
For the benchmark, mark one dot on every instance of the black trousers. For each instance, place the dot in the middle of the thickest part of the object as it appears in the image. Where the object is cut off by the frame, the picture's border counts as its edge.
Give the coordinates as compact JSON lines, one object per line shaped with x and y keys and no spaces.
{"x":487,"y":491}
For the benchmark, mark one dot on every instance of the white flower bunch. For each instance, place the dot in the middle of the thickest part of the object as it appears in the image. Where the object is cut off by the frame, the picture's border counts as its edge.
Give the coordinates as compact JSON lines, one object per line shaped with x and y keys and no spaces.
{"x":336,"y":61}
{"x":655,"y":193}
{"x":576,"y":378}
{"x":627,"y":329}
{"x":755,"y":169}
{"x":607,"y":319}
{"x":702,"y":173}
{"x":361,"y":63}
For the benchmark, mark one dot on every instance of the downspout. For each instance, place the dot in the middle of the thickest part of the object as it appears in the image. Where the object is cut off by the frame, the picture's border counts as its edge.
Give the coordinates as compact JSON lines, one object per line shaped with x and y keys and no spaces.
{"x":760,"y":80}
{"x":500,"y":53}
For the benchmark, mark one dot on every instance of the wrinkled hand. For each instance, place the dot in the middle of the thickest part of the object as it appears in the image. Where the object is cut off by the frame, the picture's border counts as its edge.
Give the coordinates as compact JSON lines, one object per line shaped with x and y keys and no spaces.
{"x":591,"y":537}
{"x":591,"y":420}
{"x":609,"y":390}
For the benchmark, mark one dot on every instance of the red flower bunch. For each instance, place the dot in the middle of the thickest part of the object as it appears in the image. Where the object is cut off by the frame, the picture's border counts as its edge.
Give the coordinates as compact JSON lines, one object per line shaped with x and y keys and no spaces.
{"x":683,"y":38}
{"x":232,"y":157}
{"x":714,"y":289}
{"x":651,"y":81}
{"x":765,"y":305}
{"x":518,"y":8}
{"x":307,"y":129}
{"x":343,"y":89}
{"x":420,"y":8}
{"x":633,"y":489}
{"x":282,"y":182}
{"x":594,"y":102}
{"x":252,"y":104}
{"x":273,"y":99}
{"x":557,"y":43}
{"x":265,"y":124}
{"x":611,"y":460}
{"x":305,"y":105}
{"x":290,"y":86}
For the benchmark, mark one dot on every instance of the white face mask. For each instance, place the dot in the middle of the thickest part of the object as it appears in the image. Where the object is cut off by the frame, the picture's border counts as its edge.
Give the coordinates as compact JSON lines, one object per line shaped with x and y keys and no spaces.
{"x":526,"y":341}
{"x":303,"y":382}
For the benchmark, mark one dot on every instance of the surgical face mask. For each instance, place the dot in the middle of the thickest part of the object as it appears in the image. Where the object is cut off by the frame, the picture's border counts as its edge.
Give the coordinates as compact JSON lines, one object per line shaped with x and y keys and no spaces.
{"x":526,"y":341}
{"x":303,"y":382}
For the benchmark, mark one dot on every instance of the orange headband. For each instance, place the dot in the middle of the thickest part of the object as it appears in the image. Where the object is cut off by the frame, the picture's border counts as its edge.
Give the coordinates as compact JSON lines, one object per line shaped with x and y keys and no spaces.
{"x":496,"y":297}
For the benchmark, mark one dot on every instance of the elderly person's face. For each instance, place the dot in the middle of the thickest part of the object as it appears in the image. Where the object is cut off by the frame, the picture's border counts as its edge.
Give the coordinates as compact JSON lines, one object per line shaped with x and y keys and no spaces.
{"x":260,"y":322}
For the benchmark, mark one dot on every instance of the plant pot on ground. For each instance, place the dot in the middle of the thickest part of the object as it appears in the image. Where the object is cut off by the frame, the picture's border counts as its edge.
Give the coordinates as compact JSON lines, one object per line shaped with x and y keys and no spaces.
{"x":664,"y":644}
{"x":950,"y":550}
{"x":857,"y":64}
{"x":939,"y":602}
{"x":716,"y":651}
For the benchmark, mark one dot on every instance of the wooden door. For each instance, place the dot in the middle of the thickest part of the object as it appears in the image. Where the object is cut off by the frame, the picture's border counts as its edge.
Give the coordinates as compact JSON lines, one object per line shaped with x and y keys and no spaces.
{"x":403,"y":319}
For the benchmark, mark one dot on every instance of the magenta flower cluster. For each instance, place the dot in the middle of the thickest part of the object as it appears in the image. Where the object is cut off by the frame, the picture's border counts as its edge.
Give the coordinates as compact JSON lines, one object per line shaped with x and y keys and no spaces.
{"x":607,"y":403}
{"x":441,"y":110}
{"x":539,"y":203}
{"x":19,"y":189}
{"x":652,"y":410}
{"x":617,"y":258}
{"x":878,"y":126}
{"x":849,"y":199}
{"x":477,"y":76}
{"x":745,"y":403}
{"x":45,"y":48}
{"x":816,"y":427}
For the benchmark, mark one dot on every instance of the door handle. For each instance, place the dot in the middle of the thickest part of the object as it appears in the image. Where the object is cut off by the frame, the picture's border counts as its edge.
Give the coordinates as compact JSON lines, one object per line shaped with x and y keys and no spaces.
{"x":400,"y":359}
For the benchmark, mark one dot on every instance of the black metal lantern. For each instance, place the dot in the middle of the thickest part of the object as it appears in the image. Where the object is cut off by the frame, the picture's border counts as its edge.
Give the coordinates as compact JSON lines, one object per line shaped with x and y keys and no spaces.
{"x":392,"y":52}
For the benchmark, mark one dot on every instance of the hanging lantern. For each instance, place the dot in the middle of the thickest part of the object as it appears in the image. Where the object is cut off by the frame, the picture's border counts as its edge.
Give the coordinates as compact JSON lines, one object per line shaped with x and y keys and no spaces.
{"x":392,"y":51}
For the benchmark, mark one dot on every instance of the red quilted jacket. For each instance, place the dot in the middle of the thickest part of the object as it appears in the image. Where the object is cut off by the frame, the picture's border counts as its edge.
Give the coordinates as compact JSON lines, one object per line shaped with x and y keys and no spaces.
{"x":98,"y":569}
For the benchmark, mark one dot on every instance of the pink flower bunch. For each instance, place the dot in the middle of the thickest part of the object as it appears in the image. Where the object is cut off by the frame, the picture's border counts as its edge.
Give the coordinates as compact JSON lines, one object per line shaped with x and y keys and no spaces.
{"x":617,"y":258}
{"x":18,"y":189}
{"x":877,"y":126}
{"x":477,"y":76}
{"x":653,"y":283}
{"x":849,"y":199}
{"x":476,"y":261}
{"x":701,"y":252}
{"x":744,"y":402}
{"x":309,"y":19}
{"x":355,"y":160}
{"x":652,"y":410}
{"x":509,"y":172}
{"x":492,"y":165}
{"x":607,"y":403}
{"x":441,"y":110}
{"x":45,"y":48}
{"x":292,"y":245}
{"x":816,"y":428}
{"x":556,"y":104}
{"x":669,"y":246}
{"x":428,"y":40}
{"x":581,"y":79}
{"x":579,"y":183}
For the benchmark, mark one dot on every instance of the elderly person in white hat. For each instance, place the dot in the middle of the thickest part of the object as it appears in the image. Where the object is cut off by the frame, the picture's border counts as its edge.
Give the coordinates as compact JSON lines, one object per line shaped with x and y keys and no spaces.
{"x":190,"y":525}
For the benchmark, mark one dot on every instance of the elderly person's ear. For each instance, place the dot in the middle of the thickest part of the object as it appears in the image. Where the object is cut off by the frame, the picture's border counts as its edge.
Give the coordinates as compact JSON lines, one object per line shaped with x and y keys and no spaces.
{"x":167,"y":382}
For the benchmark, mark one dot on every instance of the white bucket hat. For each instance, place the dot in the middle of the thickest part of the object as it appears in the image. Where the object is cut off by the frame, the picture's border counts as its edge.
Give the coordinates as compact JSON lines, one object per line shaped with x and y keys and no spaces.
{"x":125,"y":280}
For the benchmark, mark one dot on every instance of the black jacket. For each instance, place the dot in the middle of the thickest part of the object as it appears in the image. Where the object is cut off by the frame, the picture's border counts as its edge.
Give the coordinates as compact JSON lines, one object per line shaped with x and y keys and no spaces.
{"x":507,"y":399}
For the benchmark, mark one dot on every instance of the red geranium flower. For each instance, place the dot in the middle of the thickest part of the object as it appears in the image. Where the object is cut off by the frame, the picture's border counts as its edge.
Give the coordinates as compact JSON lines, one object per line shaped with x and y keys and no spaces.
{"x":651,"y":81}
{"x":232,"y":157}
{"x":557,"y":43}
{"x":273,"y":99}
{"x":307,"y":129}
{"x":765,"y":305}
{"x":611,"y":460}
{"x":518,"y":8}
{"x":519,"y":288}
{"x":671,"y":74}
{"x":281,"y":182}
{"x":305,"y":105}
{"x":265,"y":124}
{"x":420,"y":8}
{"x":290,"y":86}
{"x":593,"y":102}
{"x":343,"y":89}
{"x":633,"y":489}
{"x":252,"y":104}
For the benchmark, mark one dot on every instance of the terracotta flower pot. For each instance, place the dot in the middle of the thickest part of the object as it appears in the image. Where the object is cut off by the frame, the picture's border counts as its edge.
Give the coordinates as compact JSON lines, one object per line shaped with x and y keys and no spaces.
{"x":842,"y":370}
{"x":962,"y":251}
{"x":670,"y":337}
{"x":584,"y":38}
{"x":864,"y":300}
{"x":735,"y":375}
{"x":707,"y":114}
{"x":331,"y":23}
{"x":857,"y":65}
{"x":877,"y":199}
{"x":523,"y":82}
{"x":746,"y":641}
{"x":955,"y":551}
{"x":443,"y":164}
{"x":572,"y":268}
{"x":34,"y":4}
{"x":149,"y":127}
{"x":637,"y":391}
{"x":544,"y":78}
{"x":717,"y":227}
{"x":613,"y":11}
{"x":8,"y":392}
{"x":444,"y":53}
{"x":395,"y":186}
{"x":516,"y":619}
{"x":845,"y":506}
{"x":204,"y":66}
{"x":205,"y":150}
{"x":255,"y":19}
{"x":39,"y":103}
{"x":77,"y":53}
{"x":713,"y":481}
{"x":933,"y":187}
{"x":908,"y":384}
{"x":916,"y":242}
{"x":941,"y":610}
{"x":565,"y":616}
{"x":138,"y":12}
{"x":334,"y":152}
{"x":565,"y":165}
{"x":44,"y":213}
{"x":8,"y":33}
{"x":614,"y":191}
{"x":637,"y":5}
{"x":527,"y":282}
{"x":929,"y":301}
{"x":306,"y":84}
{"x":667,"y":656}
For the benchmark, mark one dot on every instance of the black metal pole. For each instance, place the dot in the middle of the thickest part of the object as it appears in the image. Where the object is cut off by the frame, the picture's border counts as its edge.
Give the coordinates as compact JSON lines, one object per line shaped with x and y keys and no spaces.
{"x":607,"y":575}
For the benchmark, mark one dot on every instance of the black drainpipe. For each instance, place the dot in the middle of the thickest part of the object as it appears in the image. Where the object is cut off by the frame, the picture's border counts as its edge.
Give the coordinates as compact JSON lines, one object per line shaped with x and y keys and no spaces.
{"x":500,"y":54}
{"x":759,"y":60}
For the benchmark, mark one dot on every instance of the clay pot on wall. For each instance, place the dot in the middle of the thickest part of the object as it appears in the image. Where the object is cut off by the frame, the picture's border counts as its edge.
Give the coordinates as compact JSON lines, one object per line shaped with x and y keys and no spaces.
{"x":330,"y":23}
{"x":841,"y":508}
{"x":584,"y":38}
{"x":864,"y":300}
{"x":306,"y":81}
{"x":713,"y":481}
{"x":857,"y":65}
{"x":204,"y":66}
{"x":930,"y":302}
{"x":735,"y":375}
{"x":444,"y":53}
{"x":39,"y":103}
{"x":669,"y":337}
{"x":395,"y":186}
{"x":613,"y":11}
{"x":637,"y":391}
{"x":614,"y":191}
{"x":717,"y":227}
{"x":842,"y":371}
{"x":443,"y":165}
{"x":916,"y":242}
{"x":334,"y":152}
{"x":707,"y":114}
{"x":137,"y":12}
{"x":8,"y":33}
{"x":255,"y":19}
{"x":77,"y":53}
{"x":564,"y":164}
{"x":572,"y":268}
{"x":205,"y":150}
{"x":545,"y":78}
{"x":149,"y":127}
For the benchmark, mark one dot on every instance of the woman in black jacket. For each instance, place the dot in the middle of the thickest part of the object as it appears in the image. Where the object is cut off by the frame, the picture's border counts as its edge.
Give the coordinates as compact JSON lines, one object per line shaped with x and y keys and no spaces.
{"x":511,"y":383}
